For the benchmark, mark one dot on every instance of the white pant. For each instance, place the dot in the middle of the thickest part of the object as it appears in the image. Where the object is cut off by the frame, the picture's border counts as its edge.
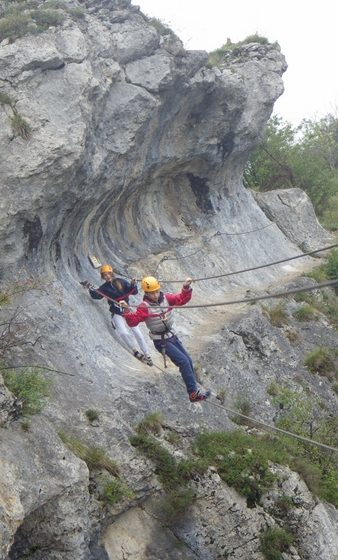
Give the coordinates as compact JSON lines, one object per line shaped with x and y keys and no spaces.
{"x":127,"y":334}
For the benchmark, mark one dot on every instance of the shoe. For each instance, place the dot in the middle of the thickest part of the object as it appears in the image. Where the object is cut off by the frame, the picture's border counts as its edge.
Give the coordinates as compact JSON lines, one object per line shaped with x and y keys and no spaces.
{"x":147,"y":360}
{"x":139,"y":355}
{"x":199,"y":395}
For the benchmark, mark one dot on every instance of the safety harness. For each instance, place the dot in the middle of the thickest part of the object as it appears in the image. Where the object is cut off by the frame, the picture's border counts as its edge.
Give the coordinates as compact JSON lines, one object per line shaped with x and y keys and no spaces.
{"x":160,"y":323}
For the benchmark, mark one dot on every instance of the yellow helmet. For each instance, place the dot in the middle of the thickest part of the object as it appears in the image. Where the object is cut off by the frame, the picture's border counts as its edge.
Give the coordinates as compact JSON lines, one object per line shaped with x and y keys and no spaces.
{"x":105,"y":268}
{"x":150,"y":284}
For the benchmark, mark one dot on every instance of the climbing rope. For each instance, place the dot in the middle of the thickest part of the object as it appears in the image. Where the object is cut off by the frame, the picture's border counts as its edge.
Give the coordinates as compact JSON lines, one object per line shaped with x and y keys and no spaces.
{"x":264,"y":425}
{"x":245,"y":300}
{"x":255,"y":267}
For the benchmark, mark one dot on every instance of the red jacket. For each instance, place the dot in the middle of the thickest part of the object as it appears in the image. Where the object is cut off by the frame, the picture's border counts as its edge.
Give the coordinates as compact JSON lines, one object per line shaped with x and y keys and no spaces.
{"x":143,"y":311}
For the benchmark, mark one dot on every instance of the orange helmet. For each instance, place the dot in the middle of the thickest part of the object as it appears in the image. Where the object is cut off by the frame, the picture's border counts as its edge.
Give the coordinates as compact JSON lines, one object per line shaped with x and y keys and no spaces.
{"x":150,"y":284}
{"x":105,"y":268}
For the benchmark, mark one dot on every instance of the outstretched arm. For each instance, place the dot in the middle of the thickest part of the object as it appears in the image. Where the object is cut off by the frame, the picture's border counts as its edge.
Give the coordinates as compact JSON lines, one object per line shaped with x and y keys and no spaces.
{"x":183,"y":296}
{"x":91,"y":289}
{"x":133,"y":319}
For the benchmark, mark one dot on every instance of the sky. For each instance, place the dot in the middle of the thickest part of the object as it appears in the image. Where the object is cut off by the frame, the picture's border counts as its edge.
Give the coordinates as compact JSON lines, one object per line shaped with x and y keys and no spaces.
{"x":305,"y":29}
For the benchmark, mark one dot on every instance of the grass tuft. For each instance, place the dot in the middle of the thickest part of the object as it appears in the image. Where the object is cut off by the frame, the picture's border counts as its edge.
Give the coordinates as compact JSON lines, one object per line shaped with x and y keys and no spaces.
{"x":95,"y":457}
{"x":92,"y":414}
{"x":115,"y":491}
{"x":29,"y":386}
{"x":274,"y":542}
{"x":321,"y":361}
{"x":20,"y":126}
{"x":151,"y":424}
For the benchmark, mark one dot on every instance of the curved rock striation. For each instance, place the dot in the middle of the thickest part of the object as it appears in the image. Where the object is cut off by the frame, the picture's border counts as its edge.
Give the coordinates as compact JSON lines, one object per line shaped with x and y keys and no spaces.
{"x":132,"y":149}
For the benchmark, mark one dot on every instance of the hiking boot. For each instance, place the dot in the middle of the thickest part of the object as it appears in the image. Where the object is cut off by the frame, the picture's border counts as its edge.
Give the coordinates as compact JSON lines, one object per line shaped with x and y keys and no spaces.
{"x":147,"y":360}
{"x":199,"y":395}
{"x":139,"y":355}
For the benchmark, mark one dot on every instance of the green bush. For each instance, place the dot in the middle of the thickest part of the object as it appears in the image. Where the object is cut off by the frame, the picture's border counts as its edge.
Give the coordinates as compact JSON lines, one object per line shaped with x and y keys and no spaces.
{"x":274,"y":542}
{"x":29,"y":386}
{"x":14,"y":26}
{"x":240,"y":461}
{"x":92,"y":414}
{"x":321,"y":361}
{"x":174,"y":476}
{"x":283,"y":505}
{"x":47,"y":18}
{"x":305,"y":313}
{"x":21,"y":19}
{"x":303,"y":157}
{"x":115,"y":491}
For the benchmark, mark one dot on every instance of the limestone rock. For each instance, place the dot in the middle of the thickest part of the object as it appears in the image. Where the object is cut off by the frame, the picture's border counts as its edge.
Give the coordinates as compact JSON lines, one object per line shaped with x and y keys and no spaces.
{"x":292,"y":211}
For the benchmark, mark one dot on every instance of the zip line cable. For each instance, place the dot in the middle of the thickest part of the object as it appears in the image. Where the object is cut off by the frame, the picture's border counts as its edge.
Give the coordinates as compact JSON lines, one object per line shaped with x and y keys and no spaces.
{"x":233,"y":302}
{"x":253,"y":299}
{"x":259,"y":422}
{"x":256,"y":267}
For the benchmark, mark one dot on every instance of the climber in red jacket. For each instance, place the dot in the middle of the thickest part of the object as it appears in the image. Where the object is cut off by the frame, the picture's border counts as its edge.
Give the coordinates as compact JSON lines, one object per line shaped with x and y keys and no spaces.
{"x":157,"y":313}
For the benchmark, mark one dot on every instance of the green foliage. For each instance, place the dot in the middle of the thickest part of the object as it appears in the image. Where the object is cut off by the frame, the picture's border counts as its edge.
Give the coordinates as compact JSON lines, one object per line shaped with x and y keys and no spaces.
{"x":151,"y":424}
{"x":274,"y":542}
{"x":273,"y":389}
{"x":92,"y":414}
{"x":332,"y":266}
{"x":22,"y":18}
{"x":174,"y":476}
{"x":304,"y":157}
{"x":283,"y":505}
{"x":30,"y":386}
{"x":172,"y":437}
{"x":217,"y":57}
{"x":317,"y":468}
{"x":77,"y":13}
{"x":305,"y":313}
{"x":242,"y":405}
{"x":326,"y":302}
{"x":20,"y":126}
{"x":321,"y":361}
{"x":47,"y":18}
{"x":243,"y":460}
{"x":160,"y":27}
{"x":95,"y":457}
{"x":241,"y":463}
{"x":115,"y":491}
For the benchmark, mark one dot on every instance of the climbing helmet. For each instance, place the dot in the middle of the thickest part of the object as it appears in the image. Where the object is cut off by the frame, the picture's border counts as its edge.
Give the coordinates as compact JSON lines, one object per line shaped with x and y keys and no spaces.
{"x":105,"y":268}
{"x":150,"y":284}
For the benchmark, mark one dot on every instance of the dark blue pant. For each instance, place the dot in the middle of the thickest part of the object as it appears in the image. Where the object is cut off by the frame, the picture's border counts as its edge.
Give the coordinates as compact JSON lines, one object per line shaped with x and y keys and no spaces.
{"x":180,"y":357}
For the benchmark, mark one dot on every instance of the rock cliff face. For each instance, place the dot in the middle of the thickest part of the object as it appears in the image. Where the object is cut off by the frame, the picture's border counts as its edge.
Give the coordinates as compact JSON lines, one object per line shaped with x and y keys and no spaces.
{"x":134,"y":151}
